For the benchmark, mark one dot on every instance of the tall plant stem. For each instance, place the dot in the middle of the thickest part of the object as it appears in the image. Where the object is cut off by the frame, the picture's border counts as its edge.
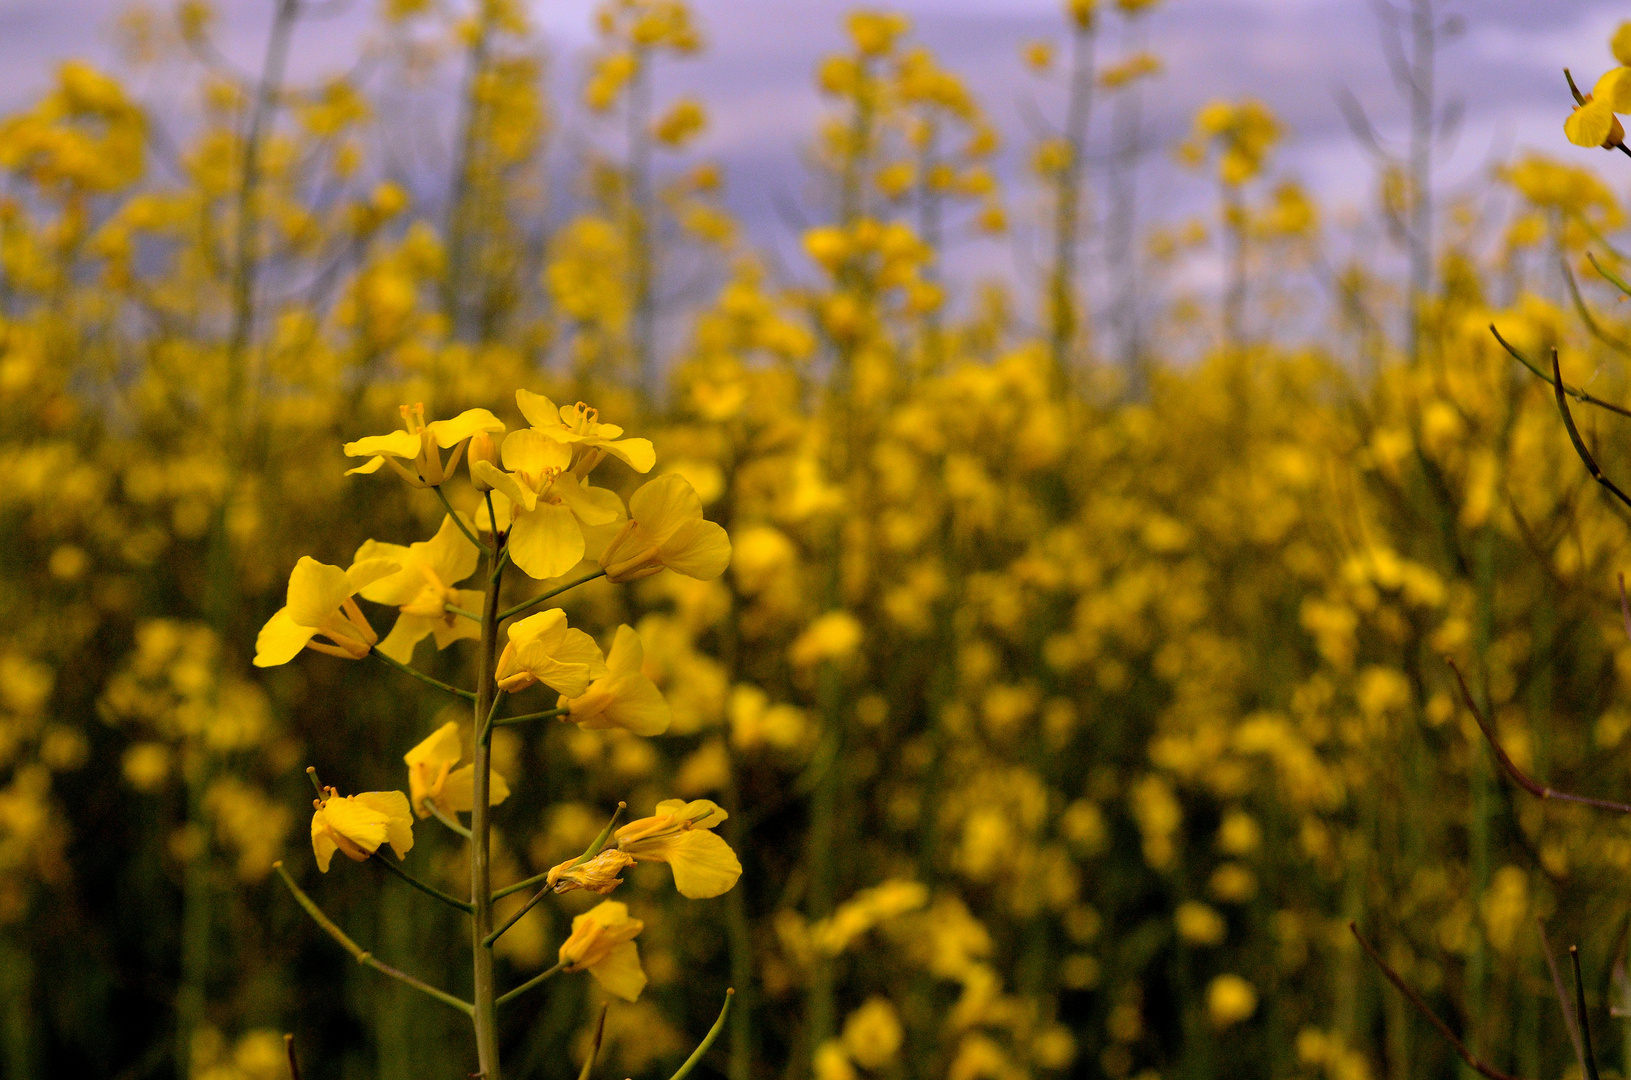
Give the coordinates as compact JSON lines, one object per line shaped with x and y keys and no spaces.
{"x":640,"y":223}
{"x":1063,"y":323}
{"x":481,"y":885}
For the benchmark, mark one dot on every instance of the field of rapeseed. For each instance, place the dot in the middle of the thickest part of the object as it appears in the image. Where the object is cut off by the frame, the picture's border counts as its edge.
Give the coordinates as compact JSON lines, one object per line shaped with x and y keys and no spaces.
{"x":1016,"y":681}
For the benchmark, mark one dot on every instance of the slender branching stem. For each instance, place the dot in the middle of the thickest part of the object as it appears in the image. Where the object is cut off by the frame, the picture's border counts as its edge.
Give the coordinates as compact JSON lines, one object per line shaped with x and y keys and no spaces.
{"x":707,"y":1040}
{"x":1475,"y":1064}
{"x":1580,"y":1012}
{"x":457,"y":520}
{"x":513,"y":919}
{"x":294,"y":1062}
{"x":594,"y":1047}
{"x":1574,"y":436}
{"x":429,"y":890}
{"x":530,"y":983}
{"x":421,"y":676}
{"x":451,"y":610}
{"x":547,"y":714}
{"x":590,"y":852}
{"x":550,"y":595}
{"x":446,"y":819}
{"x":361,"y":955}
{"x":1573,"y":391}
{"x":487,"y":725}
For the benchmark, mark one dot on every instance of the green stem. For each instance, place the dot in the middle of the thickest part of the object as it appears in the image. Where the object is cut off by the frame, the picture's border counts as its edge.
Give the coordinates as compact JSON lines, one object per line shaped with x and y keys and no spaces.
{"x":361,"y":955}
{"x":550,"y":595}
{"x":530,"y":983}
{"x":429,"y":890}
{"x":528,"y":906}
{"x":459,"y":521}
{"x":422,"y":677}
{"x":547,"y":714}
{"x":510,"y":890}
{"x":487,"y":700}
{"x":446,"y":819}
{"x":590,"y":852}
{"x":707,"y":1040}
{"x":451,"y":610}
{"x":487,"y":727}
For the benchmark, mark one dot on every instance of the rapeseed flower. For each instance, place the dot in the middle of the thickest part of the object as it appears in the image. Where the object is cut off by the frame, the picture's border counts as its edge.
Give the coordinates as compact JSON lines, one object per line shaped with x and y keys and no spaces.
{"x":543,"y":649}
{"x":599,"y":874}
{"x":547,"y":505}
{"x":579,"y":426}
{"x":621,"y":697}
{"x":422,"y":589}
{"x":666,"y":529}
{"x":602,"y":943}
{"x":358,"y":825}
{"x":433,"y":780}
{"x":319,"y":603}
{"x":681,"y":834}
{"x":421,"y":445}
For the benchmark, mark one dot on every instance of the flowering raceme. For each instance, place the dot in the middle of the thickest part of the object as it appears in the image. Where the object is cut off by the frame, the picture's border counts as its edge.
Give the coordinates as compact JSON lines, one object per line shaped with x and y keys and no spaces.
{"x":421,"y":445}
{"x":433,"y":781}
{"x":681,"y":834}
{"x":423,"y":589}
{"x":543,"y":649}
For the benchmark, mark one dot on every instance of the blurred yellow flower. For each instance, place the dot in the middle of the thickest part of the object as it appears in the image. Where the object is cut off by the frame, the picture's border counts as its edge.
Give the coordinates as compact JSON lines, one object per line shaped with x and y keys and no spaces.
{"x":357,"y":825}
{"x":1229,"y":1000}
{"x":680,"y":834}
{"x":602,"y":943}
{"x":872,"y":1033}
{"x":320,"y":602}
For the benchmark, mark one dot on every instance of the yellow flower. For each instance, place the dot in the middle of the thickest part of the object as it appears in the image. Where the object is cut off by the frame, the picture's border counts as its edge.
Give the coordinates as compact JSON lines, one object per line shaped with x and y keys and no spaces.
{"x":320,"y":603}
{"x":681,"y":834}
{"x":547,"y":505}
{"x":579,"y":426}
{"x":356,"y":825}
{"x":423,"y":589}
{"x":602,"y":943}
{"x":1593,"y":123}
{"x":543,"y":649}
{"x":666,"y":529}
{"x":874,"y":32}
{"x":433,"y":779}
{"x":421,"y":444}
{"x":1229,"y":1000}
{"x":622,"y":697}
{"x":598,"y":874}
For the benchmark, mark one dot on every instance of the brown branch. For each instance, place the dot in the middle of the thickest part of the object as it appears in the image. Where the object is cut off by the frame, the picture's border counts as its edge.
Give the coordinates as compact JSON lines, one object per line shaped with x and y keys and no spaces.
{"x":1574,"y":435}
{"x":1538,"y":790}
{"x":294,"y":1066}
{"x":1473,"y":1062}
{"x":1573,"y":391}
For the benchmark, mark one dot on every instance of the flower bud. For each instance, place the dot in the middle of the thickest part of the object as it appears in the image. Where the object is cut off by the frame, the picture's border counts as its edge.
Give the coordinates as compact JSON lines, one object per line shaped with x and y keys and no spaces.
{"x":482,"y":448}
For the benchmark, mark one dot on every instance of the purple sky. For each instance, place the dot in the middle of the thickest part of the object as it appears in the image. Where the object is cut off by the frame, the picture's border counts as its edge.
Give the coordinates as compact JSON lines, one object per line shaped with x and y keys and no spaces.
{"x":757,"y":77}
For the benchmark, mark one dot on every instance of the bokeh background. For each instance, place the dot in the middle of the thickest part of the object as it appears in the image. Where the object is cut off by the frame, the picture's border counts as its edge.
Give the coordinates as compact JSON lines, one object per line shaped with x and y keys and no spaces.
{"x":1102,"y":402}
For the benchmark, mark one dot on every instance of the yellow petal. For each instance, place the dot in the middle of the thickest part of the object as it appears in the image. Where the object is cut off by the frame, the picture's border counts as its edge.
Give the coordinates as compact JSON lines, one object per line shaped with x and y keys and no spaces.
{"x":509,"y":486}
{"x":704,"y":865}
{"x":459,"y":793}
{"x":628,"y":654}
{"x":398,"y":588}
{"x":460,"y":628}
{"x":539,"y":410}
{"x":393,"y":806}
{"x":372,"y":465}
{"x":637,"y":454}
{"x":637,"y":707}
{"x":531,"y":451}
{"x":316,"y":591}
{"x":664,"y":504}
{"x":1590,"y":124}
{"x":620,"y":972}
{"x":365,"y":573}
{"x":439,"y":747}
{"x":544,"y":624}
{"x":359,"y":823}
{"x":450,"y":554}
{"x":455,"y":430}
{"x":546,"y":542}
{"x":565,"y":678}
{"x":1620,"y":43}
{"x":322,"y":844}
{"x":399,"y":444}
{"x":1615,"y":89}
{"x":280,"y":640}
{"x":501,"y":507}
{"x":408,"y":632}
{"x":592,"y":505}
{"x":698,"y":549}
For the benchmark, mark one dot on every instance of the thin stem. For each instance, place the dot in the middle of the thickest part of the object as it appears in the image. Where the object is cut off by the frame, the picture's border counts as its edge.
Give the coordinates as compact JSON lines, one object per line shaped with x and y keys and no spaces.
{"x":487,"y":726}
{"x":451,"y":610}
{"x":1573,"y":391}
{"x":457,"y":520}
{"x":429,"y":890}
{"x":550,"y":595}
{"x":1403,"y":987}
{"x":594,"y":1047}
{"x":1574,"y":435}
{"x":1562,"y":997}
{"x":528,"y":906}
{"x":530,"y":983}
{"x":422,"y":677}
{"x":708,"y":1039}
{"x":294,"y":1063}
{"x":547,"y":714}
{"x":446,"y":819}
{"x":361,"y":955}
{"x":1538,"y":790}
{"x":590,"y":852}
{"x":1580,"y":1012}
